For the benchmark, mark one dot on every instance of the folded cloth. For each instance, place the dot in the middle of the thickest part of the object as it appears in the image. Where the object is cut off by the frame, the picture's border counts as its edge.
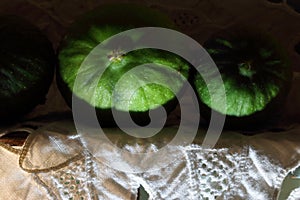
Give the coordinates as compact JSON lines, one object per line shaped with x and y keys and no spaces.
{"x":54,"y":163}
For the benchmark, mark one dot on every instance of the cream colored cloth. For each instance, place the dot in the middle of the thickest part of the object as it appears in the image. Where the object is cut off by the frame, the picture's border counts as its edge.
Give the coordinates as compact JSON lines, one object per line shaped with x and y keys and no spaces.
{"x":53,"y":164}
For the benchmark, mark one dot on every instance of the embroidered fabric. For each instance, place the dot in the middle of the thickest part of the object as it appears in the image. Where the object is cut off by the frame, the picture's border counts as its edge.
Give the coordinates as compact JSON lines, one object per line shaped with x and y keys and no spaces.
{"x":250,"y":167}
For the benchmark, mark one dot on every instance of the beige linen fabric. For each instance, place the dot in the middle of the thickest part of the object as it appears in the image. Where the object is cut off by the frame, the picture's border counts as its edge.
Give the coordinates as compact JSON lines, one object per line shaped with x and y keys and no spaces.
{"x":53,"y":164}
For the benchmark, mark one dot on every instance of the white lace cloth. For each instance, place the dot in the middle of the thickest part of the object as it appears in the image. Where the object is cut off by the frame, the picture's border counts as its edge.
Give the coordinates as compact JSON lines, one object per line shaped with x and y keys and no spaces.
{"x":53,"y":164}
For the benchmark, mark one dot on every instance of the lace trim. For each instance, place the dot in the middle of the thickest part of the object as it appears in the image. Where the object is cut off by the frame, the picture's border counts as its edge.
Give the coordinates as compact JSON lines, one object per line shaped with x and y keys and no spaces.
{"x":280,"y":180}
{"x":242,"y":162}
{"x":295,"y":194}
{"x":25,"y":150}
{"x":49,"y":192}
{"x":68,"y":182}
{"x":210,"y":176}
{"x":10,"y":148}
{"x":210,"y":171}
{"x":14,"y":129}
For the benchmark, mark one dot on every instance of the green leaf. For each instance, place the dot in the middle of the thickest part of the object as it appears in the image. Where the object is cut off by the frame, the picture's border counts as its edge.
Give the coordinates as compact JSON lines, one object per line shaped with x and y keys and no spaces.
{"x":142,"y":194}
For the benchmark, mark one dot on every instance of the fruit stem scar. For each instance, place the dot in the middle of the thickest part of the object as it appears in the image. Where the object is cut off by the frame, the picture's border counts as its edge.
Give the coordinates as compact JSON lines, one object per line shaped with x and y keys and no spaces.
{"x":245,"y":69}
{"x":115,"y":55}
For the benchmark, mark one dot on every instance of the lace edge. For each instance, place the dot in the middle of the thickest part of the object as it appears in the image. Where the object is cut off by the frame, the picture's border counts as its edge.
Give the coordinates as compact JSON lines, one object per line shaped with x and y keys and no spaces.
{"x":285,"y":172}
{"x":10,"y":148}
{"x":295,"y":194}
{"x":280,"y":179}
{"x":14,"y":129}
{"x":25,"y":149}
{"x":48,"y":191}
